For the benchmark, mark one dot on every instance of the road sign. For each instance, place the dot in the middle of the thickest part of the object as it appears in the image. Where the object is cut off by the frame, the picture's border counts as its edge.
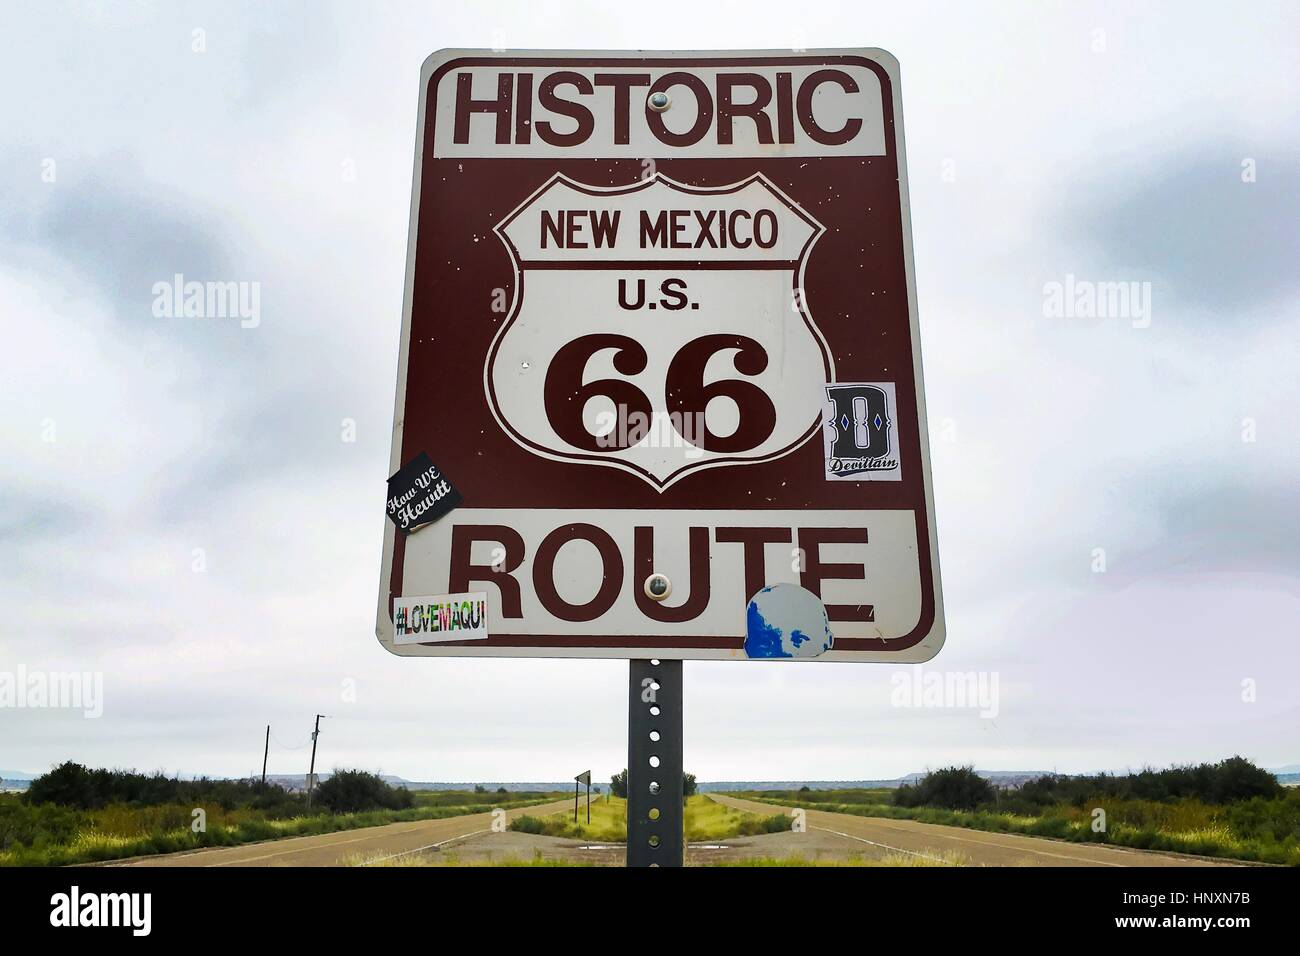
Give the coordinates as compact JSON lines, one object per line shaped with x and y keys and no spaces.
{"x":584,"y":777}
{"x":659,"y":391}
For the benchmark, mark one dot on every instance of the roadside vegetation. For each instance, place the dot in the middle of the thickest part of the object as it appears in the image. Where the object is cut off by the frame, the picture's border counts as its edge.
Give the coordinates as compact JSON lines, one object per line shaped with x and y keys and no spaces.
{"x":608,"y":822}
{"x":702,"y":820}
{"x":1228,"y":809}
{"x":74,"y":814}
{"x":706,"y":820}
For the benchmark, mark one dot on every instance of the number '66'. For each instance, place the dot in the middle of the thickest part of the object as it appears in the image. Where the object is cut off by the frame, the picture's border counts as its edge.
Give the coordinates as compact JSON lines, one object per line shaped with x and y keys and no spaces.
{"x":686,"y":393}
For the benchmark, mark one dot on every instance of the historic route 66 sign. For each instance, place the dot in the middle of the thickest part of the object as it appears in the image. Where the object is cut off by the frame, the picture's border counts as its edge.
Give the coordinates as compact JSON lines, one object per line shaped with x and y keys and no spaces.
{"x":660,"y":324}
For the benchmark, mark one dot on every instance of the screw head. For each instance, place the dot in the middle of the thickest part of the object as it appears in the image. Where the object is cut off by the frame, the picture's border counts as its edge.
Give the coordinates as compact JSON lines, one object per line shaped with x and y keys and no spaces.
{"x":659,"y":101}
{"x":657,"y":587}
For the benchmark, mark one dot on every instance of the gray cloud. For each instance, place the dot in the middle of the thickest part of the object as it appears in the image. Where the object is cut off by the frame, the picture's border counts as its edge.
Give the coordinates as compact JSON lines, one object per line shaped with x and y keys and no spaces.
{"x":126,"y":239}
{"x":1226,"y":525}
{"x":1187,"y":222}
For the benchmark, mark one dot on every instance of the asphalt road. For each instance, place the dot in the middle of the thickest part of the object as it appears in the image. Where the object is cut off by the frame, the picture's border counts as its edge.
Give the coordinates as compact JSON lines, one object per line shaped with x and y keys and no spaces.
{"x":337,"y":849}
{"x":880,"y":837}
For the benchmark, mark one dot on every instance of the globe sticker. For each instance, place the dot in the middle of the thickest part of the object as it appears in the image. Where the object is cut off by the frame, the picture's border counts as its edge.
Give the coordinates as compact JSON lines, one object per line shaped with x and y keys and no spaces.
{"x":786,"y":621}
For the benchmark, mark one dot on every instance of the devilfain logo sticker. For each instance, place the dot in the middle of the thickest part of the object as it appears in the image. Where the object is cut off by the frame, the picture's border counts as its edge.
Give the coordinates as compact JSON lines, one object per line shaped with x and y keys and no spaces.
{"x":860,"y":432}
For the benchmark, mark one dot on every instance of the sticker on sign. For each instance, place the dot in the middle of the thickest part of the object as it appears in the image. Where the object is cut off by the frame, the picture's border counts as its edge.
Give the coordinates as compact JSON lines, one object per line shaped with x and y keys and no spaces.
{"x":660,"y":323}
{"x":444,"y":617}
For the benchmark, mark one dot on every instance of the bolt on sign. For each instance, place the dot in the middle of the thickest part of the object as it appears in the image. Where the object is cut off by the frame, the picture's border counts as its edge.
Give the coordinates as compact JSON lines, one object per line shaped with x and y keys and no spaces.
{"x":659,"y":390}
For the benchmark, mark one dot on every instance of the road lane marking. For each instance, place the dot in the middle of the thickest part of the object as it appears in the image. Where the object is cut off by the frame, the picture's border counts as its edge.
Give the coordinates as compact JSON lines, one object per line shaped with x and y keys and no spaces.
{"x":886,"y":846}
{"x":431,"y":846}
{"x":268,"y":856}
{"x":284,"y":850}
{"x":951,"y":836}
{"x":284,"y":843}
{"x":324,"y":845}
{"x":1010,"y":846}
{"x":1130,"y":852}
{"x":463,"y":836}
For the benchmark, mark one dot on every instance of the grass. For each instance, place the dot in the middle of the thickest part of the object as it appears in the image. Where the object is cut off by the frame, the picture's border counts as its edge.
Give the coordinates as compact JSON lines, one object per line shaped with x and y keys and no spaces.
{"x":608,"y":822}
{"x":706,"y":820}
{"x":1265,"y":831}
{"x":702,"y":820}
{"x":48,"y":835}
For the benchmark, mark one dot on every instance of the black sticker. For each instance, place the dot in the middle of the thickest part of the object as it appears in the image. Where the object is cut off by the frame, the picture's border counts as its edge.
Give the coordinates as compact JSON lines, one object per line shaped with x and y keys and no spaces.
{"x":419,"y":494}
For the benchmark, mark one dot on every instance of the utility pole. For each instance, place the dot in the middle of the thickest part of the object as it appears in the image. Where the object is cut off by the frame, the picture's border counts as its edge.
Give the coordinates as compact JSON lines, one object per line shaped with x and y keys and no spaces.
{"x":311,"y":773}
{"x":265,"y":753}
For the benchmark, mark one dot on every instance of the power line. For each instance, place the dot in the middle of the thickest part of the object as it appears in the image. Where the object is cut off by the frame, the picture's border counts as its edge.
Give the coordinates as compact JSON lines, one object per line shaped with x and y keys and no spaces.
{"x":284,"y":746}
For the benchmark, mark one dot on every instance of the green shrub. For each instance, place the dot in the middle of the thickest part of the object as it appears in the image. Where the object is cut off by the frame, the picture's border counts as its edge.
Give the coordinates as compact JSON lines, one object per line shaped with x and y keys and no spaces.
{"x":1228,"y":781}
{"x":1271,"y":820}
{"x":350,"y":791}
{"x":73,"y":785}
{"x":754,"y":825}
{"x":618,"y":784}
{"x":23,"y":825}
{"x":957,"y":788}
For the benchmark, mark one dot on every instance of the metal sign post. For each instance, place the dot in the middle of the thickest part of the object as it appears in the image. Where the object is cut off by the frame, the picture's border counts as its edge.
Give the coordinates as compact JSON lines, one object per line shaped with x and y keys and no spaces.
{"x":584,"y":777}
{"x":654,"y":763}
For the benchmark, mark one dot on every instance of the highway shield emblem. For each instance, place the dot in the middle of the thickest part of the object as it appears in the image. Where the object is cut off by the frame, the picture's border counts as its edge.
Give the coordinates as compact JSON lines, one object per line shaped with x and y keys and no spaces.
{"x":658,"y":328}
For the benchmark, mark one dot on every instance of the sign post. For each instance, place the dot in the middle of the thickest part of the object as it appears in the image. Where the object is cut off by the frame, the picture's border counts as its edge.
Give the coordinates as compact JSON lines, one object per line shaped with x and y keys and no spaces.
{"x":659,"y":389}
{"x":654,"y":764}
{"x":584,"y":777}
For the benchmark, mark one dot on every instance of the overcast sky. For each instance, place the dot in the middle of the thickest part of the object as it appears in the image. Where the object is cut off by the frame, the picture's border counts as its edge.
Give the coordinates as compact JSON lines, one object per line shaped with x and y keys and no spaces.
{"x":1044,"y":140}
